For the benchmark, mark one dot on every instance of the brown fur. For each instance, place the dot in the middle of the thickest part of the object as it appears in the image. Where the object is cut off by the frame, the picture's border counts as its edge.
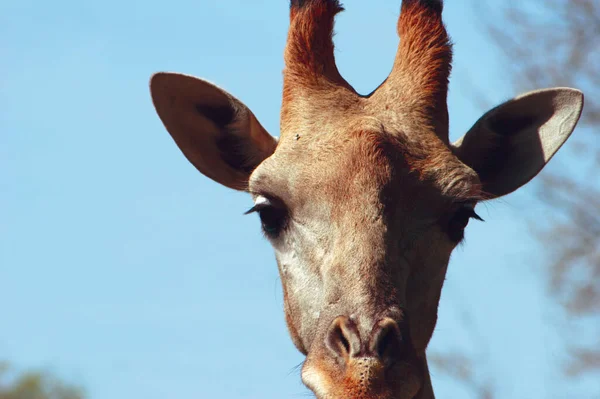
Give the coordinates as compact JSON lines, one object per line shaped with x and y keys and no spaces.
{"x":310,"y":70}
{"x":367,"y":197}
{"x":422,"y":67}
{"x":363,"y":134}
{"x":309,"y":52}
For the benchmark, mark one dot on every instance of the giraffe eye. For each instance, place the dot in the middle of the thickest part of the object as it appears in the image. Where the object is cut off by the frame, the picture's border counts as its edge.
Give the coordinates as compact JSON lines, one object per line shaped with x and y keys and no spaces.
{"x":460,"y":220}
{"x":273,"y":217}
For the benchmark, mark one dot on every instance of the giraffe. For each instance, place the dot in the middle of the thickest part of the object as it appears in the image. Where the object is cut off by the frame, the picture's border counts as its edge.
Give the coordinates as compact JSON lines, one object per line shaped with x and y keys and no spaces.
{"x":363,"y":197}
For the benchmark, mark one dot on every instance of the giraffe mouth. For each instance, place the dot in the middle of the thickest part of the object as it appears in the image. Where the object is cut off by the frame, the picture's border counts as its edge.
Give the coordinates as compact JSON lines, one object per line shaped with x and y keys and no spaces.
{"x":350,"y":363}
{"x":364,"y":378}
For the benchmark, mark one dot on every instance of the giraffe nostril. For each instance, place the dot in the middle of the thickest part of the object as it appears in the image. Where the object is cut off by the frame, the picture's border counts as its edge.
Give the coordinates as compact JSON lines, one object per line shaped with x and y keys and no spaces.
{"x":343,"y":339}
{"x":386,"y":341}
{"x":338,"y":341}
{"x":385,"y":345}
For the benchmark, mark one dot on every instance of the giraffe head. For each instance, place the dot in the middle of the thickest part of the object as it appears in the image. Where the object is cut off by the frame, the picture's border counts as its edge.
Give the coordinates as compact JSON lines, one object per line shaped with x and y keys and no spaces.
{"x":363,"y":197}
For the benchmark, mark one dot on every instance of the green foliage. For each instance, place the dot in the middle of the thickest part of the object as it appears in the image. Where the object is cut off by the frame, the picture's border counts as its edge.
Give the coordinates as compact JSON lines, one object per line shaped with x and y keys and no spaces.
{"x":34,"y":385}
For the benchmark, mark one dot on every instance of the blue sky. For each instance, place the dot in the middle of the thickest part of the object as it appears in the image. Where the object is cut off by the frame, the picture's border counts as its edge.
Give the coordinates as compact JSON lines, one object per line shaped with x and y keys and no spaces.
{"x":126,"y":271}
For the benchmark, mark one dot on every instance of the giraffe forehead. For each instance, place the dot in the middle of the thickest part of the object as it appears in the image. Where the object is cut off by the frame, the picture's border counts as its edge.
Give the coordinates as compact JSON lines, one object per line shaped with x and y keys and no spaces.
{"x":308,"y":160}
{"x":368,"y":160}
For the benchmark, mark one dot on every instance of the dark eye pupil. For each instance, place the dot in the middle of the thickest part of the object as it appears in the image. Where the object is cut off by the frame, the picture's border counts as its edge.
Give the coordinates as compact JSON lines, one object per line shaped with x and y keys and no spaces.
{"x":459,"y":222}
{"x":272,"y":220}
{"x":462,"y":217}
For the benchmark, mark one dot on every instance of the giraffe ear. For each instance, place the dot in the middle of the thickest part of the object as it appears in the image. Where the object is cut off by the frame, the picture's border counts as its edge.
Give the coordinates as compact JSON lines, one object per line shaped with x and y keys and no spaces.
{"x":216,"y":132}
{"x":511,"y":144}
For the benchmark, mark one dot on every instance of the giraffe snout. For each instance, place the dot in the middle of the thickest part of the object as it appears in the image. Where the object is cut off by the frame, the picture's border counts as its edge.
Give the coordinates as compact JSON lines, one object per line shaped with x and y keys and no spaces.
{"x":381,"y":348}
{"x":364,"y":361}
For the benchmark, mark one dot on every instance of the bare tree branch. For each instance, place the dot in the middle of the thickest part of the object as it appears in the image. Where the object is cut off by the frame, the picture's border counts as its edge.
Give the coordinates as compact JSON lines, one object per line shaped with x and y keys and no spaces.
{"x":548,"y":43}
